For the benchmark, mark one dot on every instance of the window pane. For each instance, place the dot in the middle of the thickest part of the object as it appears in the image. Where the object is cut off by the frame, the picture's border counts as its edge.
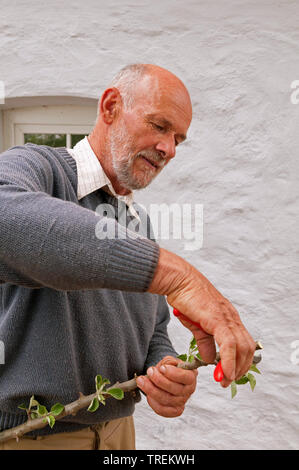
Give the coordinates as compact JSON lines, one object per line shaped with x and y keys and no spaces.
{"x":75,"y":138}
{"x":53,"y":140}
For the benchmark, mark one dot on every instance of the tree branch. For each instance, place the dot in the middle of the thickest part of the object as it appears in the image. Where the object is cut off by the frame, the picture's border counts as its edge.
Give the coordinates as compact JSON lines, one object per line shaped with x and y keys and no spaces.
{"x":85,"y":400}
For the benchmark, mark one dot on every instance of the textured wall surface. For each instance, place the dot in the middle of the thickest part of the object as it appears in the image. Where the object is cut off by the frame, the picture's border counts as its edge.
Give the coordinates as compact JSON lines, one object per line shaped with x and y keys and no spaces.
{"x":238,"y":59}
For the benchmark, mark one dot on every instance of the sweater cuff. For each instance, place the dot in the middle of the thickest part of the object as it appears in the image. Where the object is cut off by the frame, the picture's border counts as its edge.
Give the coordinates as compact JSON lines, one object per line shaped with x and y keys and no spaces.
{"x":131,"y":265}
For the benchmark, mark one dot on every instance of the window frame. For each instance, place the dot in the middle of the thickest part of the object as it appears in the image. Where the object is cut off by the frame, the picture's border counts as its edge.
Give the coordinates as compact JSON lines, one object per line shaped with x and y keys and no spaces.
{"x":46,"y":119}
{"x":22,"y":129}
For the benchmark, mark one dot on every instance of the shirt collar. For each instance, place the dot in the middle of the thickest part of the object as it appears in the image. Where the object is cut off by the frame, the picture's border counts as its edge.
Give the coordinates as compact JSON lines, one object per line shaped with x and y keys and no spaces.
{"x":91,"y":175}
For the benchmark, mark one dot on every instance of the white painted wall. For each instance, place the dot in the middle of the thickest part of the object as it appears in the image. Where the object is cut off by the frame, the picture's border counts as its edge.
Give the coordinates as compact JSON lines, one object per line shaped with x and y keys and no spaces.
{"x":238,"y":59}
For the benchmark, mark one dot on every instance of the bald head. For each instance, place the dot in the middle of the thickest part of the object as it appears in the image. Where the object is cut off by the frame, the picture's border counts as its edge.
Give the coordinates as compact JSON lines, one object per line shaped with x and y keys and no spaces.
{"x":136,"y":79}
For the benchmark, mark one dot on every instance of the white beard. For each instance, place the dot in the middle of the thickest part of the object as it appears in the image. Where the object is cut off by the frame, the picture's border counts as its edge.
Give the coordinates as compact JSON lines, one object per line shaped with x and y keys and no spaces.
{"x":123,"y":161}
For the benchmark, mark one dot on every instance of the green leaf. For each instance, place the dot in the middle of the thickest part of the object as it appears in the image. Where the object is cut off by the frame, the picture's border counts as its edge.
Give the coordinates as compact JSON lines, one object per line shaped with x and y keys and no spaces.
{"x":99,"y":381}
{"x":252,"y":380}
{"x":193,"y":344}
{"x":117,"y":393}
{"x":41,"y":410}
{"x":101,"y":399}
{"x":183,"y":357}
{"x":33,"y":402}
{"x":190,"y":358}
{"x":233,"y":389}
{"x":57,"y":409}
{"x":34,"y":415}
{"x":254,"y":368}
{"x":243,"y":380}
{"x":22,"y":407}
{"x":51,"y":420}
{"x":93,"y":405}
{"x":199,"y":356}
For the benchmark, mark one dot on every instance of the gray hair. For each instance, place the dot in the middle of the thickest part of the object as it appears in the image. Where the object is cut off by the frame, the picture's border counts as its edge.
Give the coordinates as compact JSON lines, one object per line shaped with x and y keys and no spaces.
{"x":126,"y":79}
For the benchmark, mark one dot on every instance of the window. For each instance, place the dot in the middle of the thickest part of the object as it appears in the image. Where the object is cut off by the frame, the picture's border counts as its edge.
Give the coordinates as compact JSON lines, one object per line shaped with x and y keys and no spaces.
{"x":53,"y":125}
{"x":54,"y":140}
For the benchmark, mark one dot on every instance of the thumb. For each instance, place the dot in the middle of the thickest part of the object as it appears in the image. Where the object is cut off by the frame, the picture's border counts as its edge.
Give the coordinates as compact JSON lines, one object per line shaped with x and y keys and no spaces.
{"x":205,"y":342}
{"x":206,"y":346}
{"x":168,"y":360}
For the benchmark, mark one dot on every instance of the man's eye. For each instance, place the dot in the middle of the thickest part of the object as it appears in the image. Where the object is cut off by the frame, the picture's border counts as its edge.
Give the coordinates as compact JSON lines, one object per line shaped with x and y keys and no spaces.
{"x":159,"y":128}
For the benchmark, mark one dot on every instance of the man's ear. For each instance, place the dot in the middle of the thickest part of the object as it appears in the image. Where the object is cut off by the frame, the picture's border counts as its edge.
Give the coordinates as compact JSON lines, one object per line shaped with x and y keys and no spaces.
{"x":110,"y":105}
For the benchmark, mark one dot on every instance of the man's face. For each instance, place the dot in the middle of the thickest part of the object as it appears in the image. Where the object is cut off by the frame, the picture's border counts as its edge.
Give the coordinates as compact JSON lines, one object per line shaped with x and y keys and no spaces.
{"x":144,"y":139}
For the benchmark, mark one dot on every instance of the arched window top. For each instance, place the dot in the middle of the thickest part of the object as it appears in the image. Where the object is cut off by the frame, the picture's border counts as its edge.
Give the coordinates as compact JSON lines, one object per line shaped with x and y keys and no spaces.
{"x":55,"y":121}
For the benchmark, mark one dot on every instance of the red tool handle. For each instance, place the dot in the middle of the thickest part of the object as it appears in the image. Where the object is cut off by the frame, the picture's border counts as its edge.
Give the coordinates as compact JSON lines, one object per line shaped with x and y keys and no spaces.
{"x":177,"y":313}
{"x":218,"y":372}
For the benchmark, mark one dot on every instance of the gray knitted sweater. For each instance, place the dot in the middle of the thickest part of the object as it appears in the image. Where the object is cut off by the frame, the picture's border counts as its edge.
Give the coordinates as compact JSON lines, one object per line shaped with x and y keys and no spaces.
{"x":73,"y":304}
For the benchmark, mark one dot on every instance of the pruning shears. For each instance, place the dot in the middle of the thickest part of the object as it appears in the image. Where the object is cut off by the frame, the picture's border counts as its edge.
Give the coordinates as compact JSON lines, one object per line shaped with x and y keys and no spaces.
{"x":218,"y":372}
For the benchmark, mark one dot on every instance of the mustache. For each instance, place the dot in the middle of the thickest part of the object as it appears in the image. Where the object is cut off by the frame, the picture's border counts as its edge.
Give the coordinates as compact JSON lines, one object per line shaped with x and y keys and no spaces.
{"x":153,"y":157}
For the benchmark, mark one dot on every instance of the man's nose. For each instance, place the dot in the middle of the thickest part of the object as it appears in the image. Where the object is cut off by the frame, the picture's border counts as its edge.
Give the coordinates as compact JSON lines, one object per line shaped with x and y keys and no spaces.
{"x":166,"y":147}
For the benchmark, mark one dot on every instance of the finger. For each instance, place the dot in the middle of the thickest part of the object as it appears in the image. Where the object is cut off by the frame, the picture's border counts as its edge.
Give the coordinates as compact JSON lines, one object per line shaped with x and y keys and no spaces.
{"x":169,"y":360}
{"x":165,"y":410}
{"x":245,"y":345}
{"x":205,"y":342}
{"x":206,"y":347}
{"x":242,"y":358}
{"x":160,"y":396}
{"x":163,"y":383}
{"x":236,"y":354}
{"x":177,"y":375}
{"x":228,"y":356}
{"x":245,"y":355}
{"x":167,"y":376}
{"x":177,"y":382}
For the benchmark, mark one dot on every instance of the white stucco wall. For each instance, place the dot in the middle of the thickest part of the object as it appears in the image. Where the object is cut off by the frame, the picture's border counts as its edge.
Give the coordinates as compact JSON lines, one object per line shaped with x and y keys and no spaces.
{"x":238,"y":59}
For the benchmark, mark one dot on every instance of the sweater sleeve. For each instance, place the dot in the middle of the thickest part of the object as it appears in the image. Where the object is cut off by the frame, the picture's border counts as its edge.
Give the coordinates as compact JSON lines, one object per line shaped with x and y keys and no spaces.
{"x":160,"y":344}
{"x":50,"y":242}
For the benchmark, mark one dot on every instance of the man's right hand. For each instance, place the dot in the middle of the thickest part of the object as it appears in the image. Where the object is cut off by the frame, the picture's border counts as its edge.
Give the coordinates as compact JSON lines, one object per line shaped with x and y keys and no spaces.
{"x":195,"y":297}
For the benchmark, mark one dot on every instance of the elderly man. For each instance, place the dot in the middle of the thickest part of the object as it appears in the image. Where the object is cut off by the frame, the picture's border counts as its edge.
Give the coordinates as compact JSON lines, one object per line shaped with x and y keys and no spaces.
{"x":76,"y":303}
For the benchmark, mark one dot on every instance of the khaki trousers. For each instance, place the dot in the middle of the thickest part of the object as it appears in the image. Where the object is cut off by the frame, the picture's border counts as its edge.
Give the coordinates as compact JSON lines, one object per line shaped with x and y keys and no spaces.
{"x":118,"y":434}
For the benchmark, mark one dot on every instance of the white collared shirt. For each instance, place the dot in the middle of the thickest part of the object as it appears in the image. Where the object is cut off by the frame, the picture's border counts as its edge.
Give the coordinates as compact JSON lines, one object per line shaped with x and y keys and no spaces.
{"x":91,"y":175}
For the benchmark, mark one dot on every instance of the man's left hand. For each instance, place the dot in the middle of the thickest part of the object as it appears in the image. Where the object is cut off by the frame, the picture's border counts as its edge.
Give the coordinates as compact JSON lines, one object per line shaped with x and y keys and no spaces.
{"x":168,"y":387}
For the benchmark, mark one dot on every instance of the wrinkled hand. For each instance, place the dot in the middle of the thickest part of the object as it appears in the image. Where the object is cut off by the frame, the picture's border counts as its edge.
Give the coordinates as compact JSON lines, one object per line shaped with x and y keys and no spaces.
{"x":220,"y":323}
{"x":194,"y":296}
{"x":168,"y":387}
